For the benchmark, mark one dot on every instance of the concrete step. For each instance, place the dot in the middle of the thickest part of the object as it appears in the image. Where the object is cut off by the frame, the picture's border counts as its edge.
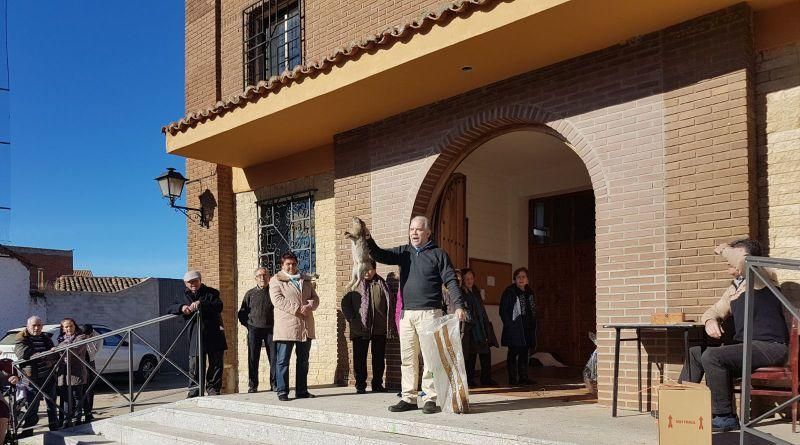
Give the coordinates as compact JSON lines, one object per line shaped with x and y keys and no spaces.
{"x":136,"y":430}
{"x":436,"y":430}
{"x":260,"y":428}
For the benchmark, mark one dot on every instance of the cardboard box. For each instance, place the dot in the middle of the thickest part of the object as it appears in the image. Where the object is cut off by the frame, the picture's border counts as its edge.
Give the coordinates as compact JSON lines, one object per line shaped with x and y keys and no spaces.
{"x":684,"y":414}
{"x":666,"y":318}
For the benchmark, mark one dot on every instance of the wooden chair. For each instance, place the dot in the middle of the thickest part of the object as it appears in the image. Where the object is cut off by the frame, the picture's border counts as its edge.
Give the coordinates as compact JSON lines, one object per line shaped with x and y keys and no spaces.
{"x":787,"y":375}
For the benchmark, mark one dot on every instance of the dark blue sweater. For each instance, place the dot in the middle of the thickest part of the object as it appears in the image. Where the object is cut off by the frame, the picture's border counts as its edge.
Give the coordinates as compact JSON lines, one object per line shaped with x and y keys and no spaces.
{"x":422,"y":274}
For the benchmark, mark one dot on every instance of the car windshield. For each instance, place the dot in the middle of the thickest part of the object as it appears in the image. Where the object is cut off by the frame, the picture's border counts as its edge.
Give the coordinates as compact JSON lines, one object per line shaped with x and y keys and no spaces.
{"x":9,"y":339}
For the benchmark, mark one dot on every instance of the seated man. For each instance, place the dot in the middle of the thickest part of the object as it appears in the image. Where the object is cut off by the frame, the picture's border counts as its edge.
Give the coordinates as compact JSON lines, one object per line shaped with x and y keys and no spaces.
{"x":722,"y":363}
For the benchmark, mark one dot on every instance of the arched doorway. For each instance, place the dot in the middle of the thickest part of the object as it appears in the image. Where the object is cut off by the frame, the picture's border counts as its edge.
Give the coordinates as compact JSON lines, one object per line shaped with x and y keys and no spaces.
{"x":527,"y":202}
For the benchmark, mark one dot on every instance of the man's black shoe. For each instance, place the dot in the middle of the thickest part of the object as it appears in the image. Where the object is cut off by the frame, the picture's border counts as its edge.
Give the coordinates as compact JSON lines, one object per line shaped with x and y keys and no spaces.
{"x":403,"y":406}
{"x":721,"y":424}
{"x":378,"y":389}
{"x":430,"y":408}
{"x":283,"y":397}
{"x":307,"y":395}
{"x":361,"y":391}
{"x":252,"y":390}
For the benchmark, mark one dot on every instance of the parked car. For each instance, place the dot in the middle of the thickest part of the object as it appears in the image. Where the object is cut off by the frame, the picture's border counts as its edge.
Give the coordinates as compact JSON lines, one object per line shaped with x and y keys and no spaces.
{"x":144,"y":361}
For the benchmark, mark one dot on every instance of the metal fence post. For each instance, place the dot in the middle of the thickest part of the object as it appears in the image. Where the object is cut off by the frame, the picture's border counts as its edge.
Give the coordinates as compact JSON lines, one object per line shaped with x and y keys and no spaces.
{"x":130,"y":370}
{"x":747,"y":353}
{"x":201,"y":360}
{"x":68,"y":419}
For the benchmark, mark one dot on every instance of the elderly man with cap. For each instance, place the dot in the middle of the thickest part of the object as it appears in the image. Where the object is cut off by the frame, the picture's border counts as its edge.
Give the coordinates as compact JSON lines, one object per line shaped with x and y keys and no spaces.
{"x":199,"y":297}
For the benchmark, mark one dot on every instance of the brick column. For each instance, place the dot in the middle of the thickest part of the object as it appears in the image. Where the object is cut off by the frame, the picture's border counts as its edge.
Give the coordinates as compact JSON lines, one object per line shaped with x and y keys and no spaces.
{"x":210,"y":250}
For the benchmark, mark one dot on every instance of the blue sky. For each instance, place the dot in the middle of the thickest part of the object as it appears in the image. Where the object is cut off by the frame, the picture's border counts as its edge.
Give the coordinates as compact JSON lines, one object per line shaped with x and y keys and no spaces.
{"x":92,"y":82}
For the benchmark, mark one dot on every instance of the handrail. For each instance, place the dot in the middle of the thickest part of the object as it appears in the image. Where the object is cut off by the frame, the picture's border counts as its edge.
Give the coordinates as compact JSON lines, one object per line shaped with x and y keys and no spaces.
{"x":101,"y":337}
{"x":754,"y":269}
{"x":127,"y":333}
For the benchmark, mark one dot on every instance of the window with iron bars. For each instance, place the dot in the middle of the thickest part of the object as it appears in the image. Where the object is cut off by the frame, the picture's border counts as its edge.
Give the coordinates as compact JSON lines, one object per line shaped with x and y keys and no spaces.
{"x":287,"y":223}
{"x":272,"y":33}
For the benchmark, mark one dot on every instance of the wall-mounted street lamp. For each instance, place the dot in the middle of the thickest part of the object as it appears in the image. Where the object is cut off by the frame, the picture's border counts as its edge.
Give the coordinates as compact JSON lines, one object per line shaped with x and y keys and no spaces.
{"x":171,"y":184}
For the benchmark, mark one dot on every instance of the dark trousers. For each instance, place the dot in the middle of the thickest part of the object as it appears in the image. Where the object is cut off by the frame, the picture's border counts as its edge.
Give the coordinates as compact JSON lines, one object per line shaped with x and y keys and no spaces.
{"x":721,"y":364}
{"x":255,"y":338}
{"x":69,"y":414}
{"x":517,"y":364}
{"x":34,"y":399}
{"x":213,"y":373}
{"x":486,"y":367}
{"x":283,"y":351}
{"x":88,"y":396}
{"x":360,"y":347}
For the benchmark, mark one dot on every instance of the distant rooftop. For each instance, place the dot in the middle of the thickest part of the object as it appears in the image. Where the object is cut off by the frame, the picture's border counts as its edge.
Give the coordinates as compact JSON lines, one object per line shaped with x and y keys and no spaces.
{"x":76,"y":283}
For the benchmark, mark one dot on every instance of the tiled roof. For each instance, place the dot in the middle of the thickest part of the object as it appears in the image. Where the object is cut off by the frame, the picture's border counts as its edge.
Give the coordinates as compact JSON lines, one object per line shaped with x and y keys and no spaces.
{"x":383,"y":39}
{"x":73,"y":283}
{"x":82,"y":273}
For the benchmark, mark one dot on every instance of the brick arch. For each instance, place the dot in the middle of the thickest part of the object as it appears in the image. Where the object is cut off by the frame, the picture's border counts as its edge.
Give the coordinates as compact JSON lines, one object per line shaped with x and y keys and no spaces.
{"x":476,"y":130}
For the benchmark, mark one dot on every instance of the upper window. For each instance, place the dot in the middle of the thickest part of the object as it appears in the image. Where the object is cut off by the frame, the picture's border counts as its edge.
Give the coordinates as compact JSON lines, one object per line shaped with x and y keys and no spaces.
{"x":272,"y":39}
{"x":284,"y":224}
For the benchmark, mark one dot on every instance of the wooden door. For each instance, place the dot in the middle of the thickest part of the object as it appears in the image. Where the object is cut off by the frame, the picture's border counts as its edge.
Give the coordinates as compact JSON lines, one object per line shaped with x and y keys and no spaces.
{"x":450,"y":220}
{"x":562,"y":265}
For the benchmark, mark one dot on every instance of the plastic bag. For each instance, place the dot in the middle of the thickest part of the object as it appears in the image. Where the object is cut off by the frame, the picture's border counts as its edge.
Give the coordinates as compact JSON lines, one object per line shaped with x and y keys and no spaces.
{"x":440,"y":341}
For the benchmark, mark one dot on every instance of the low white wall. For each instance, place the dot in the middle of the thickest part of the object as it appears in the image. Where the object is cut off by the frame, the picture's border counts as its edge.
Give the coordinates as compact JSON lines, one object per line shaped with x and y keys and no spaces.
{"x":14,"y":293}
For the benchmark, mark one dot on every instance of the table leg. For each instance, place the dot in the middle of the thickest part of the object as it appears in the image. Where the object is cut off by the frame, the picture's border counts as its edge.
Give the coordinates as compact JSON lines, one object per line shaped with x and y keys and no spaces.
{"x":685,"y":351}
{"x":639,"y":365}
{"x":616,"y":376}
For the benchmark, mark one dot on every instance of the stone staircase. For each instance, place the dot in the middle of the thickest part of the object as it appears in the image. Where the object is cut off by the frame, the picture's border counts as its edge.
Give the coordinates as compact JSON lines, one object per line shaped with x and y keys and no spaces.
{"x":228,"y":421}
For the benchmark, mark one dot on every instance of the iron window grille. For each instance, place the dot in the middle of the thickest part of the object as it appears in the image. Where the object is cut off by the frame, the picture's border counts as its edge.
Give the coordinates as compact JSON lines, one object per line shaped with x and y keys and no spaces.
{"x":287,"y":223}
{"x":272,"y":33}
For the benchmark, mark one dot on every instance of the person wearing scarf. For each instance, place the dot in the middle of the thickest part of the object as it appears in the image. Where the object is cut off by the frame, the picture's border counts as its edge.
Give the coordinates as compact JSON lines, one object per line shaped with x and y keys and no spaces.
{"x":295,"y":300}
{"x":369,"y":313}
{"x":75,"y":378}
{"x":518,"y":312}
{"x":477,"y":333}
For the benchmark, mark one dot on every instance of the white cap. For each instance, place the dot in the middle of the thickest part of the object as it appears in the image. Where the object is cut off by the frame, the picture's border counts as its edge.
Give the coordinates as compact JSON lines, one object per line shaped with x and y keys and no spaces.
{"x":191,"y":275}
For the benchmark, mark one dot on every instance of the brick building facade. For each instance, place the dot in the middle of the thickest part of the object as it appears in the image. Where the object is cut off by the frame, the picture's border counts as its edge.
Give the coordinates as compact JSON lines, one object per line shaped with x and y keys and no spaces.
{"x":688,"y":131}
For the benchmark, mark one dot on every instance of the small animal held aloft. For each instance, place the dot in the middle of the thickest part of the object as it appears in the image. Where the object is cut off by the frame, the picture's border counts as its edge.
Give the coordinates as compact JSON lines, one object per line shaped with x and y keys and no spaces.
{"x":360,"y":250}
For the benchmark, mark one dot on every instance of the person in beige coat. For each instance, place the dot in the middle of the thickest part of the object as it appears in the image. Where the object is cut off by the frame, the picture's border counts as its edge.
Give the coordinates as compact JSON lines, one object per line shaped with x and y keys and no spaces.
{"x":721,"y":363}
{"x":295,"y":300}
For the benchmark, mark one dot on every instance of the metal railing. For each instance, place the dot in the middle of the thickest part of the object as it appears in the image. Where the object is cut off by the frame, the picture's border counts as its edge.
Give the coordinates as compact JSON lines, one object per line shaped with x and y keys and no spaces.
{"x":63,"y":364}
{"x":753,"y":270}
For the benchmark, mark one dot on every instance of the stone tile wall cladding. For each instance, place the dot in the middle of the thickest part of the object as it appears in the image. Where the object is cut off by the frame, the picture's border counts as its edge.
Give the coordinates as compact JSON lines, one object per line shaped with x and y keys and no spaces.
{"x":778,"y":133}
{"x":664,"y":129}
{"x":325,"y":349}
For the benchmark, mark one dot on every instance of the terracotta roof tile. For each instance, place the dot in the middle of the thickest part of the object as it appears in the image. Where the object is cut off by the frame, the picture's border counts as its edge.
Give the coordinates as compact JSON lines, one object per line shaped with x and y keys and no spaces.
{"x":386,"y":38}
{"x":75,"y":283}
{"x":82,"y":273}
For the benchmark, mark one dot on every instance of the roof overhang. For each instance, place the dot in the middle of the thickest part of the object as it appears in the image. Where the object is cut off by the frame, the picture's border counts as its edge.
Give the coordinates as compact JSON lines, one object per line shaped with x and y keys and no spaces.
{"x":497,"y":42}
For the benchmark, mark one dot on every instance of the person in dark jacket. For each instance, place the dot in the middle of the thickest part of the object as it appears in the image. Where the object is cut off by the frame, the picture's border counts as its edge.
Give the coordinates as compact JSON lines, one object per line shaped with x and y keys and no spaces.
{"x":257,"y":314}
{"x":424,"y":268}
{"x":518,"y":312}
{"x":199,"y":297}
{"x":72,"y":374}
{"x":477,"y":336}
{"x":367,"y":311}
{"x":770,"y":338}
{"x":5,"y":412}
{"x":28,"y":342}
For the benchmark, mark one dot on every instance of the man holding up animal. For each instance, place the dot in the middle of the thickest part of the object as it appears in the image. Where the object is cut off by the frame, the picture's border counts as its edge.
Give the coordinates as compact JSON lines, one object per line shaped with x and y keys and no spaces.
{"x":424,"y":268}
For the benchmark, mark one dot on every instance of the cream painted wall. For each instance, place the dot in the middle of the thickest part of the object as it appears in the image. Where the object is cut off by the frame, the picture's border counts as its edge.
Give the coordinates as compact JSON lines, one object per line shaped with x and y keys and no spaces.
{"x":502,"y":176}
